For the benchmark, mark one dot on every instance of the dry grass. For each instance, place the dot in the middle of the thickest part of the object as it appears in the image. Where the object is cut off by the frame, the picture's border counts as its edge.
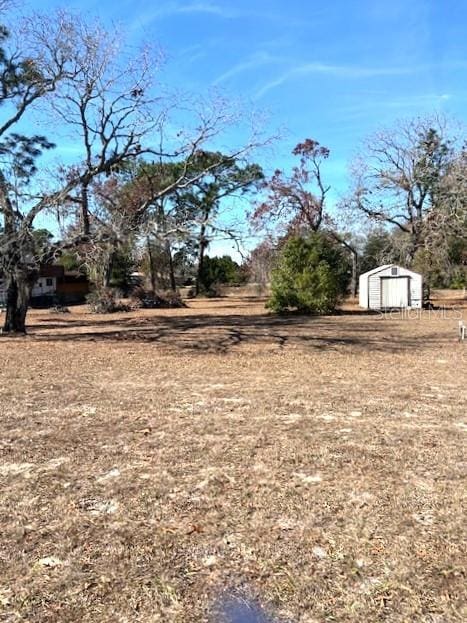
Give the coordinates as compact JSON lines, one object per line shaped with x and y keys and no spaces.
{"x":152,"y":461}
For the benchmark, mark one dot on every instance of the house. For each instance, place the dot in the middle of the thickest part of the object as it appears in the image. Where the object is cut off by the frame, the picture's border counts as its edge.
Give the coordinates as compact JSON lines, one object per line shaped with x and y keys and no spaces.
{"x":54,"y":285}
{"x":72,"y":287}
{"x":46,"y":284}
{"x":389,"y":287}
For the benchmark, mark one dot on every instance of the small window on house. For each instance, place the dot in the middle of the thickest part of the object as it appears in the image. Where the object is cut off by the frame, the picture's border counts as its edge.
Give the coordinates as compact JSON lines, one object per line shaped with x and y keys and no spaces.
{"x":394,"y":270}
{"x":39,"y":284}
{"x":49,"y":282}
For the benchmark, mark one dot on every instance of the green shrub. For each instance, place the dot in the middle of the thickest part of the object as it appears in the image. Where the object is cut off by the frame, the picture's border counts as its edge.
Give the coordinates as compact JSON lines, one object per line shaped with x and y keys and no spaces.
{"x":218,"y":271}
{"x":459,"y":279}
{"x":311,"y":275}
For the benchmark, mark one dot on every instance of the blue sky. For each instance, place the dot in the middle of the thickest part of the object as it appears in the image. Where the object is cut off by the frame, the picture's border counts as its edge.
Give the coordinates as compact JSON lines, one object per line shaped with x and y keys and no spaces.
{"x":334,"y":71}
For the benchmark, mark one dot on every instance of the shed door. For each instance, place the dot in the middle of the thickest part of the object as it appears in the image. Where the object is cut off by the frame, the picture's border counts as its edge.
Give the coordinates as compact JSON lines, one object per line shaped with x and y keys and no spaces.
{"x":394,"y":292}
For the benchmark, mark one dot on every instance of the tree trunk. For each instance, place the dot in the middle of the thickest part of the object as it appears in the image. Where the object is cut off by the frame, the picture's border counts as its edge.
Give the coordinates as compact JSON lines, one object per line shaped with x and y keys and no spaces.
{"x":203,"y":245}
{"x":353,"y":252}
{"x":354,"y":280}
{"x":85,"y":222}
{"x":173,"y":285}
{"x":17,"y":303}
{"x":416,"y":242}
{"x":152,"y":275}
{"x":108,"y":270}
{"x":202,"y":248}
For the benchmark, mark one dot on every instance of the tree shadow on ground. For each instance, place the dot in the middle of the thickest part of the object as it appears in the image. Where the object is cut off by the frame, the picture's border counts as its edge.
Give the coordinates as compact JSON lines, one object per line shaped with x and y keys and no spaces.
{"x":220,"y":334}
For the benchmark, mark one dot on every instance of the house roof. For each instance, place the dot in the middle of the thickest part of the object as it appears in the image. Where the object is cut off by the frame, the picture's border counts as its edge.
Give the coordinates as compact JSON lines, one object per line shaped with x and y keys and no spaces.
{"x":73,"y":275}
{"x":51,"y":270}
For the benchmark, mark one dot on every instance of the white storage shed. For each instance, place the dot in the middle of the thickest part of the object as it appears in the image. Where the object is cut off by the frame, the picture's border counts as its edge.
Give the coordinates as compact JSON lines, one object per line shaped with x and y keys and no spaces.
{"x":391,"y":286}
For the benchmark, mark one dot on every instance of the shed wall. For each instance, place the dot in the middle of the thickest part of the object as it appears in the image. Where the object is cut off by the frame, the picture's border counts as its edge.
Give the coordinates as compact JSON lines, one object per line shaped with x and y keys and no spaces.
{"x":374,"y":291}
{"x":370,"y":287}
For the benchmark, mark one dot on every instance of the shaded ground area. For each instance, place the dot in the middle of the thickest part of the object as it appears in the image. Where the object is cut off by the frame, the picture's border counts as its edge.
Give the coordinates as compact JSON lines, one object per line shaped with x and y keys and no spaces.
{"x":221,"y":325}
{"x":151,"y":462}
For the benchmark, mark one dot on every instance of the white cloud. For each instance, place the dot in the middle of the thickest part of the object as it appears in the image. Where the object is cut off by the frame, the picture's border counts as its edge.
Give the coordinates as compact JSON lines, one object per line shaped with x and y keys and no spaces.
{"x":338,"y":71}
{"x":349,"y":71}
{"x":384,"y":102}
{"x":176,"y":8}
{"x":273,"y":84}
{"x":207,"y":7}
{"x":358,"y":72}
{"x":427,"y":100}
{"x":257,"y":60}
{"x":221,"y":10}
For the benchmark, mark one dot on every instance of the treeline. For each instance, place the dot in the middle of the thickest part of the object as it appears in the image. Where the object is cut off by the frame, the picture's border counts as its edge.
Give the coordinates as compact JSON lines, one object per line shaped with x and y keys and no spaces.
{"x":147,"y":191}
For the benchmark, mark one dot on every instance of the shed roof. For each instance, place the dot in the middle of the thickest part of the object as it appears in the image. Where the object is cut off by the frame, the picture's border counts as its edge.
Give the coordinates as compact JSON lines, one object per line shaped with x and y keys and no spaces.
{"x":376,"y":270}
{"x":379,"y":269}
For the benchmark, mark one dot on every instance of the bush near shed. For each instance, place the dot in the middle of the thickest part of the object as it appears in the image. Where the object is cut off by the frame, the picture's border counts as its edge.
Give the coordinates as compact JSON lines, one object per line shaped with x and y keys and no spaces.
{"x":312,"y":274}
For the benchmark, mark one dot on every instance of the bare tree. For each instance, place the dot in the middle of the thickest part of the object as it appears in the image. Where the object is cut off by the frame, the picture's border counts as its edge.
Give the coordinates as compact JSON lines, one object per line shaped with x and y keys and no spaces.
{"x":299,"y":199}
{"x":401,"y":179}
{"x":260,"y":262}
{"x":75,"y":70}
{"x":27,"y":79}
{"x":109,"y":107}
{"x":105,"y":102}
{"x":297,"y":203}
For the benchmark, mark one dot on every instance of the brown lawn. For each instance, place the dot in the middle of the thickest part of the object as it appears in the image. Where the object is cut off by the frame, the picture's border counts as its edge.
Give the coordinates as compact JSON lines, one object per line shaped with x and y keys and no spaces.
{"x":153,"y":462}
